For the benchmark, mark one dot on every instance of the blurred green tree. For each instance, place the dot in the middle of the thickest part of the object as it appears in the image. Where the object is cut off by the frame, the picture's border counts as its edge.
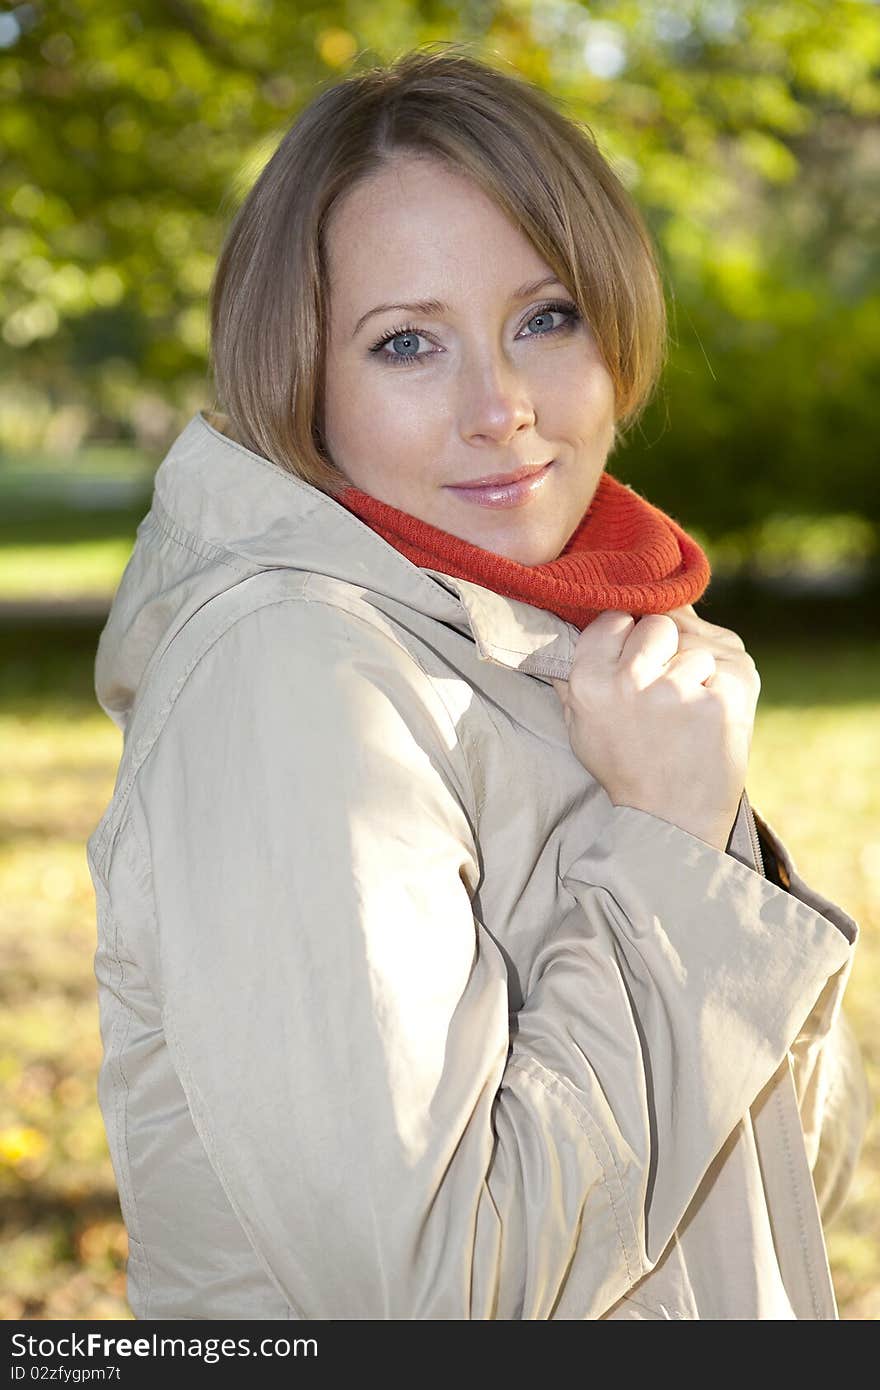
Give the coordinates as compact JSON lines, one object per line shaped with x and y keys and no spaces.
{"x":747,"y":130}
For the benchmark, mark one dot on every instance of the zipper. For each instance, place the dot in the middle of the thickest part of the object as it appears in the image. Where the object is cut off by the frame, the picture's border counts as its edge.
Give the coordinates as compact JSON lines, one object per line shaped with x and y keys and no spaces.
{"x":755,"y":838}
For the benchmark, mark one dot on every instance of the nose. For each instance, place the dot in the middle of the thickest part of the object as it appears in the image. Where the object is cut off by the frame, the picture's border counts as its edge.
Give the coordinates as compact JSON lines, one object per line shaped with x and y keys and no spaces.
{"x":496,"y":400}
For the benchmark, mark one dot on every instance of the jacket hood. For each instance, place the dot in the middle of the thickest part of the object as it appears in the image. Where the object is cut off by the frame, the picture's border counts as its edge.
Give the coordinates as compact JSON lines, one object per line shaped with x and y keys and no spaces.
{"x":219,"y":514}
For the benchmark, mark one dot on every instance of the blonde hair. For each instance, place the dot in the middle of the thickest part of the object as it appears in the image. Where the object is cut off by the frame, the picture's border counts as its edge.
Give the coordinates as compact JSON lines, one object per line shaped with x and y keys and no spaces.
{"x":268,"y":299}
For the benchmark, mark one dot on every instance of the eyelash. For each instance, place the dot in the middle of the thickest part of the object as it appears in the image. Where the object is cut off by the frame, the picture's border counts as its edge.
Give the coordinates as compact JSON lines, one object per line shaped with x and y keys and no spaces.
{"x":395,"y":358}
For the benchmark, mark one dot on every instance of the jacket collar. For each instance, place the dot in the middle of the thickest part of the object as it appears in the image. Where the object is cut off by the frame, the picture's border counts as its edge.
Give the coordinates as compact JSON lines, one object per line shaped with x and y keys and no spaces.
{"x":512,"y":633}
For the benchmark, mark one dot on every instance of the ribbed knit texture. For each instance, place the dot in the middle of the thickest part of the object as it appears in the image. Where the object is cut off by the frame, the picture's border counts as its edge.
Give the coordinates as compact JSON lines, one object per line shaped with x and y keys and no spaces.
{"x":625,"y":554}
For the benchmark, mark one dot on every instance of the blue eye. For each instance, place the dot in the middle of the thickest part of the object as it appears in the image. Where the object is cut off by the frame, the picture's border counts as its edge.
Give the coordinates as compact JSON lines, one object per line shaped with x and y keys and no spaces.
{"x":551,"y":309}
{"x":409,"y":331}
{"x":405,"y":333}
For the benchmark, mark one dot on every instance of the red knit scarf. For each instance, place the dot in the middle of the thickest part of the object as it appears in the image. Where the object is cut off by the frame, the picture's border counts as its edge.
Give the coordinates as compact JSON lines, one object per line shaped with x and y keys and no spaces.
{"x":625,"y":554}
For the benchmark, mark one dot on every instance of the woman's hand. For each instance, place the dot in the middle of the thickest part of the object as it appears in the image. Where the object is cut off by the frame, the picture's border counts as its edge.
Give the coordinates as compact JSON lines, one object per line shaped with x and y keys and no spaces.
{"x":661,"y":711}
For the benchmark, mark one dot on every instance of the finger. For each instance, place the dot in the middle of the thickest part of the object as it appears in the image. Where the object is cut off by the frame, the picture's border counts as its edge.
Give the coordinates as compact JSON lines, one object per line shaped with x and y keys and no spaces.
{"x":651,"y":644}
{"x":689,"y":668}
{"x":726,"y":645}
{"x":740,"y":690}
{"x":603,"y":639}
{"x":691,"y":623}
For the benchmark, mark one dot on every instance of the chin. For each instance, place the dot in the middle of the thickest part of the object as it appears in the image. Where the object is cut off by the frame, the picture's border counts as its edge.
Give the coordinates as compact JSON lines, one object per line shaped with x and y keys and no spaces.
{"x":527,"y":553}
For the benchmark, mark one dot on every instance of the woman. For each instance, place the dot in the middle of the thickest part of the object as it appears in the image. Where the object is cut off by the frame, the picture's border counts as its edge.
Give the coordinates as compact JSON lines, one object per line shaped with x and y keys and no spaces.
{"x":444,"y":969}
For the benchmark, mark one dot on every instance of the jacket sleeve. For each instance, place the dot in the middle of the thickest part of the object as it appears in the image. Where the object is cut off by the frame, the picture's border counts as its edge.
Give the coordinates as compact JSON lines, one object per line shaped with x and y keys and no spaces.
{"x":829,"y":1074}
{"x":395,"y":1143}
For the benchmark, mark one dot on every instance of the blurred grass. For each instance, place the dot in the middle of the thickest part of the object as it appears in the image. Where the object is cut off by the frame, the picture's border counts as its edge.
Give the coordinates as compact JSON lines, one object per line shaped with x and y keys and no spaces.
{"x":64,"y":1242}
{"x":87,"y":512}
{"x":72,"y":569}
{"x":815,"y":775}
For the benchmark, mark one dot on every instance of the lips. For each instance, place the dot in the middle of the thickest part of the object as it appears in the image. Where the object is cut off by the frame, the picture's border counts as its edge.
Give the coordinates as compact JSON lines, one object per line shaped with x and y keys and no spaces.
{"x":503,"y":479}
{"x":530,"y":481}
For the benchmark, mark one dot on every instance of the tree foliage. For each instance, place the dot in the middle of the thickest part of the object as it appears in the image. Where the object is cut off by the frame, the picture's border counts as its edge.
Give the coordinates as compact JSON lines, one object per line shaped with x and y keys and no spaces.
{"x":747,"y":130}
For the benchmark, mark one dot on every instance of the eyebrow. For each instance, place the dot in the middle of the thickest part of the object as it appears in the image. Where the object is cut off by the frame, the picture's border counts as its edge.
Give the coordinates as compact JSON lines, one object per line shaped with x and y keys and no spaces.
{"x":436,"y":306}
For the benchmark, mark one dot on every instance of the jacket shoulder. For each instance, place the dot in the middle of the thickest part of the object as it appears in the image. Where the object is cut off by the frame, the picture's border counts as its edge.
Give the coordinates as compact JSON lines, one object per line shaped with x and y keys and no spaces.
{"x":279,"y":630}
{"x":293,"y":602}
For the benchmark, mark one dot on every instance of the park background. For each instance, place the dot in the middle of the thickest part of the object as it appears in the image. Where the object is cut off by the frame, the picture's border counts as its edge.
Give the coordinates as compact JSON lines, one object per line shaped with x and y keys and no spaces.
{"x":749,"y":134}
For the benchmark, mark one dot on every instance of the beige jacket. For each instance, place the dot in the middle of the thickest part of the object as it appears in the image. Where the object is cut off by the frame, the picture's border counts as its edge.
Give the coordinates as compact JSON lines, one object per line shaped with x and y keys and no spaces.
{"x":401,"y":1017}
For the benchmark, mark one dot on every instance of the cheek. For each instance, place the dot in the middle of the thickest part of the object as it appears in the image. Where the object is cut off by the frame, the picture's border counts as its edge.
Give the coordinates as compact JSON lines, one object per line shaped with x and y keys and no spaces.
{"x":376,"y":430}
{"x":599,"y":403}
{"x":576,"y":384}
{"x":356,"y":413}
{"x":582,"y":409}
{"x":395,"y":410}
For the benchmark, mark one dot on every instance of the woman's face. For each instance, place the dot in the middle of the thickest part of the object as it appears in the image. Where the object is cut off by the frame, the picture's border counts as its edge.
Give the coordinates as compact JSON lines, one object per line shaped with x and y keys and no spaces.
{"x":482,"y":383}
